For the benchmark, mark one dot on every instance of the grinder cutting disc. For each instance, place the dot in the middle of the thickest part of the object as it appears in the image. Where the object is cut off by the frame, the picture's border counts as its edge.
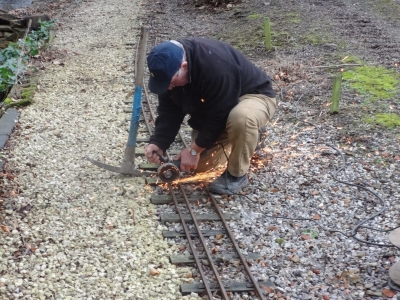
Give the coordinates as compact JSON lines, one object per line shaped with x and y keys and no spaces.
{"x":168,"y":172}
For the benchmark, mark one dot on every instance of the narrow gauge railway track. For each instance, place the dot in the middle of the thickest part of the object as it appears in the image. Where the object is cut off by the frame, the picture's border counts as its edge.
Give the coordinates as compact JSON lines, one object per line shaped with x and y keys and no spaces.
{"x":219,"y":271}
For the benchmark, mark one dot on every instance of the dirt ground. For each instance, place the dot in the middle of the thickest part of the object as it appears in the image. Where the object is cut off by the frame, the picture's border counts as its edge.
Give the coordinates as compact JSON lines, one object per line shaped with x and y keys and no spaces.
{"x":310,"y":40}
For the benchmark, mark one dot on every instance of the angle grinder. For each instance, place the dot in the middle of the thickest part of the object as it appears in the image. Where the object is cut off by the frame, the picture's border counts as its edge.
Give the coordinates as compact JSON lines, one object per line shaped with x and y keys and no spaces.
{"x":169,"y":170}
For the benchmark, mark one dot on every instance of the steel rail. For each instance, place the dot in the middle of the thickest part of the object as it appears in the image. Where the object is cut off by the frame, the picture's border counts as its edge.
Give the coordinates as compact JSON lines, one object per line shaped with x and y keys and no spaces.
{"x":203,"y":242}
{"x":190,"y":242}
{"x":149,"y":102}
{"x":242,"y":258}
{"x":195,"y":255}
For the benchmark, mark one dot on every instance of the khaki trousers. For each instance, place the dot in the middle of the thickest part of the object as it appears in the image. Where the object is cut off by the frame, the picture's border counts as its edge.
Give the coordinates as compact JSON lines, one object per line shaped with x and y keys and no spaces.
{"x":241,"y":135}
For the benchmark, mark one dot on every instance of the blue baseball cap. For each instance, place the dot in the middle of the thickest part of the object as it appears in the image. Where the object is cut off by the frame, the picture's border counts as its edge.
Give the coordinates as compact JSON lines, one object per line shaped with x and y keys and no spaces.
{"x":163,"y":61}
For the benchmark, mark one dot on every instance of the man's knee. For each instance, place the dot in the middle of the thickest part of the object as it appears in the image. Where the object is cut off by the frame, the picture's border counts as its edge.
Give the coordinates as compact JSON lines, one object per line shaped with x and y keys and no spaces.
{"x":240,"y":121}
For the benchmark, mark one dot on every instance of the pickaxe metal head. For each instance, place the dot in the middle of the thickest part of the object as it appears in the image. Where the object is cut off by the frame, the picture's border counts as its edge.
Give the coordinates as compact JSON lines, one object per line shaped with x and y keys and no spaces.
{"x":126,"y":168}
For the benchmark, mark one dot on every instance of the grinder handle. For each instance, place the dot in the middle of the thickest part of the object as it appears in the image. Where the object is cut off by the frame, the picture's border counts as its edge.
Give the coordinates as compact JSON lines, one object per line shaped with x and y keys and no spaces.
{"x":162,"y":159}
{"x":177,"y":163}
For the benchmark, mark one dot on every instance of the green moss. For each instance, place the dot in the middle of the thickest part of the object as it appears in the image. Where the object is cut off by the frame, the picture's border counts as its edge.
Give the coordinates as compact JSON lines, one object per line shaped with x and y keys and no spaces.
{"x":315,"y":39}
{"x":293,"y":17}
{"x":376,"y":82}
{"x":280,"y":38}
{"x":22,"y":102}
{"x":245,"y":38}
{"x":312,"y":38}
{"x":27,"y":93}
{"x":352,"y":59}
{"x":280,"y":241}
{"x":254,"y":16}
{"x":388,"y":120}
{"x":26,"y":97}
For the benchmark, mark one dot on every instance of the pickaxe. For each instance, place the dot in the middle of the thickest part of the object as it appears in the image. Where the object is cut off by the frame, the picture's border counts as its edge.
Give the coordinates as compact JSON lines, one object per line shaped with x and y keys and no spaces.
{"x":128,"y":163}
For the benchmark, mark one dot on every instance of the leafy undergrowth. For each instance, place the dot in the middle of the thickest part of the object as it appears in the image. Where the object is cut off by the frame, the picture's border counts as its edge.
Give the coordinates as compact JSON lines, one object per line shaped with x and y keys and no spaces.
{"x":14,"y":58}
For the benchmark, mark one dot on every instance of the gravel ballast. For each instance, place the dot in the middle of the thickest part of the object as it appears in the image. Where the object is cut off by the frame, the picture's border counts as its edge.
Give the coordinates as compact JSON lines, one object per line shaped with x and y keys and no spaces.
{"x":77,"y":231}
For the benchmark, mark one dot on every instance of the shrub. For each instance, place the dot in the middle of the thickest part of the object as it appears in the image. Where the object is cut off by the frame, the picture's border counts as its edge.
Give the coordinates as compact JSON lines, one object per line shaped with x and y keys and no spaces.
{"x":14,"y":57}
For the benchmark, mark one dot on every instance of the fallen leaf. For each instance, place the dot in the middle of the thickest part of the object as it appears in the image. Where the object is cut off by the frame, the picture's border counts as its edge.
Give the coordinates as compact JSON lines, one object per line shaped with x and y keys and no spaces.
{"x":219,"y":236}
{"x":388,"y":293}
{"x":316,"y":217}
{"x":295,"y":258}
{"x":354,"y":277}
{"x":264,"y":264}
{"x":13,"y":194}
{"x":273,"y":228}
{"x":214,"y":250}
{"x":268,"y":289}
{"x":335,"y":189}
{"x":325,"y":297}
{"x":4,"y":228}
{"x":274,"y":190}
{"x":189,"y":275}
{"x":181,"y":248}
{"x":154,"y":272}
{"x":316,"y":271}
{"x":315,"y":193}
{"x":58,"y":63}
{"x":345,"y":284}
{"x":305,"y":237}
{"x":396,"y":157}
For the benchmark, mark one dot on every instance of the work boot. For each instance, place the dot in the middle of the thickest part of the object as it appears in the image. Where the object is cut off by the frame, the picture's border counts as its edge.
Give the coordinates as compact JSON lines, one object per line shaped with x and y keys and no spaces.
{"x":228,"y":184}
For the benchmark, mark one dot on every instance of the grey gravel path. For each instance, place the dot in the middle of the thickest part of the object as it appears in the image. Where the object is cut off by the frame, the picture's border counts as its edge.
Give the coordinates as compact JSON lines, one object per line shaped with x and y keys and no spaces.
{"x":76,"y":231}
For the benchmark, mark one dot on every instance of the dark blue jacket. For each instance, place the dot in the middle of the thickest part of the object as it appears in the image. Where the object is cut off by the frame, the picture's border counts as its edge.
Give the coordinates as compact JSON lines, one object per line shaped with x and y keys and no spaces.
{"x":218,"y":75}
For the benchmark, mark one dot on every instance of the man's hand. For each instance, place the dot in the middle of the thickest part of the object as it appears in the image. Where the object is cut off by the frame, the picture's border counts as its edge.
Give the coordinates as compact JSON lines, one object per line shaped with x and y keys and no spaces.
{"x":151,"y":156}
{"x":188,"y":161}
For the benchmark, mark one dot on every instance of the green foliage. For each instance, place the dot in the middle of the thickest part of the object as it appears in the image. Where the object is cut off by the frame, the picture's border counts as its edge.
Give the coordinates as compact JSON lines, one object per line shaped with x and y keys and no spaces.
{"x":376,"y":82}
{"x":8,"y":65}
{"x":280,"y":241}
{"x":387,"y":120}
{"x":37,"y":38}
{"x":15,"y":56}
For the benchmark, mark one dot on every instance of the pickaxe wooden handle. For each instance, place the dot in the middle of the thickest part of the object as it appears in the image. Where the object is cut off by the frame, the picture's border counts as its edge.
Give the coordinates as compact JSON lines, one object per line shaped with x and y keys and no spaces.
{"x":128,"y":163}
